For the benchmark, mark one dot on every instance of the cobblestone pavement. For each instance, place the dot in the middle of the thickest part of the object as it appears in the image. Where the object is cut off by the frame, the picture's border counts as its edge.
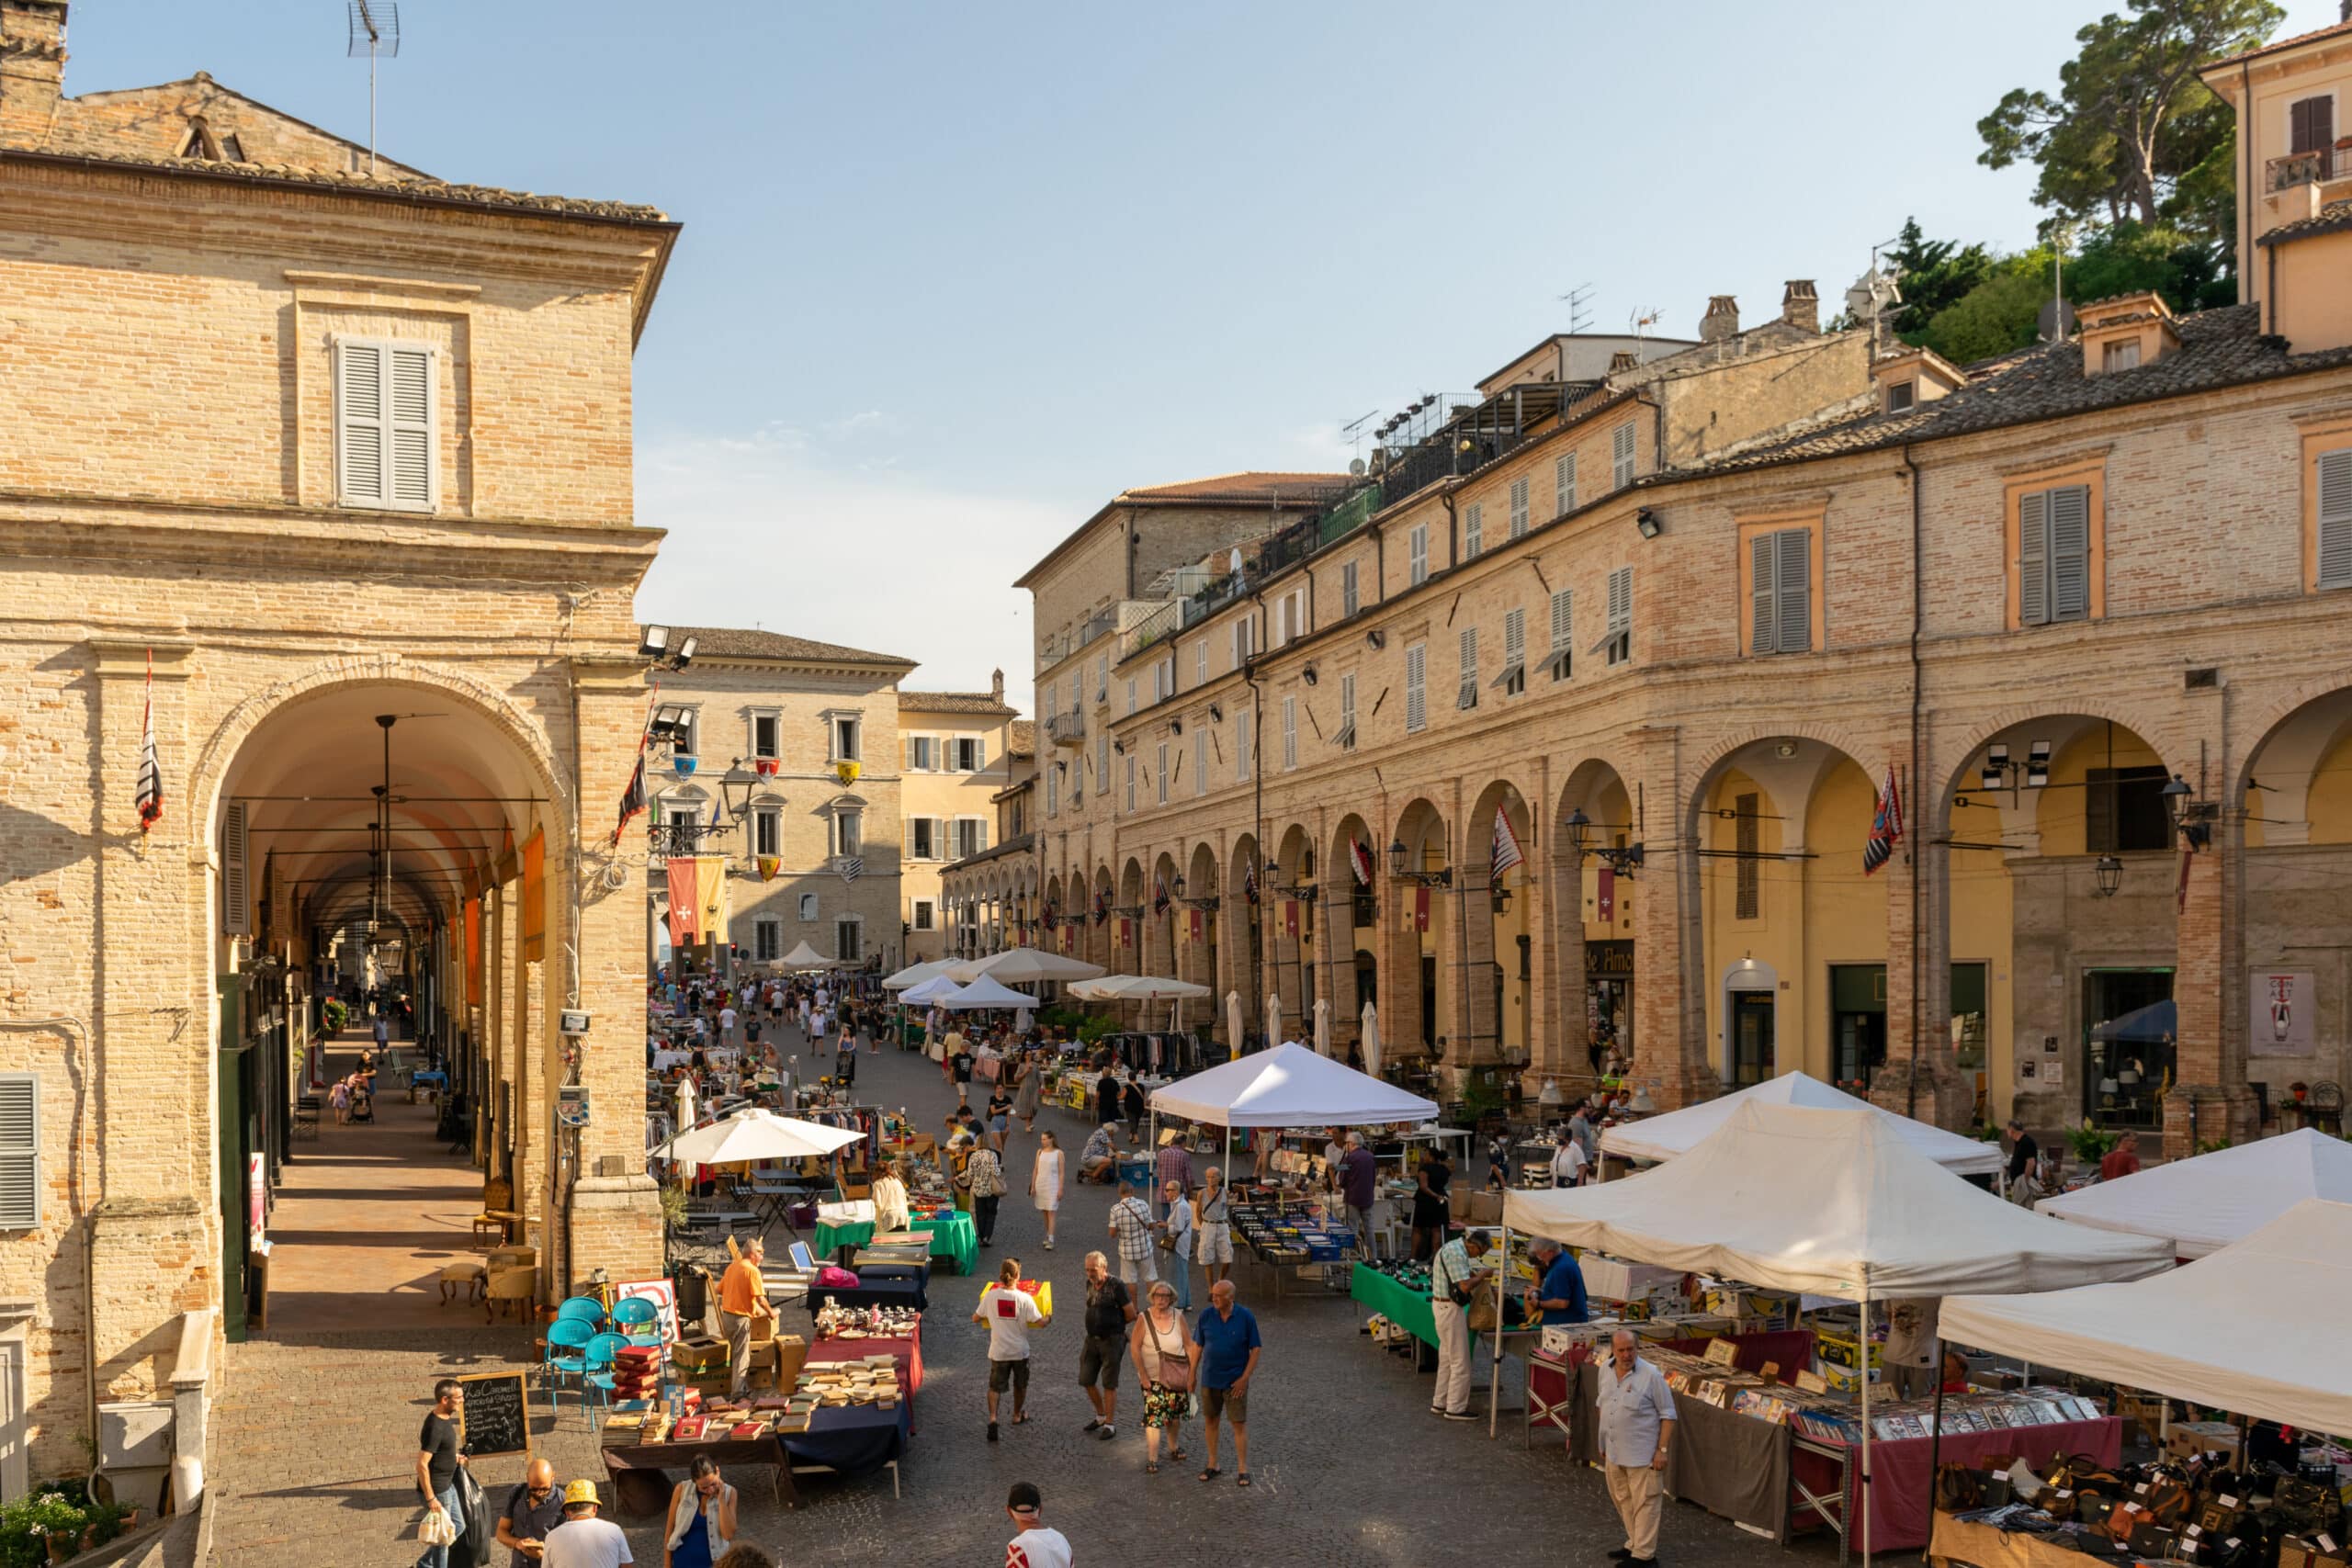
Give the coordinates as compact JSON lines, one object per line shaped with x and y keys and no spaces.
{"x":315,"y":1440}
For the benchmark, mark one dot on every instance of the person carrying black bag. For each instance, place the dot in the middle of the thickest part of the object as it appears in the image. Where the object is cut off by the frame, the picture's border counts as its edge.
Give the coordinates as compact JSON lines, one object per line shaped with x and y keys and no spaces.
{"x":1453,"y":1281}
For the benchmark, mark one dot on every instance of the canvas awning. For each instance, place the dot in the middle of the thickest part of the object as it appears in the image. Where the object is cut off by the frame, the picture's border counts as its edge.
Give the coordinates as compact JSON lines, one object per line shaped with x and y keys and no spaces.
{"x":2257,"y":1327}
{"x":914,"y":975}
{"x":1021,"y":967}
{"x":1663,"y":1137}
{"x":1136,"y":988}
{"x":2202,"y":1204}
{"x":1834,"y":1202}
{"x":1289,"y":1085}
{"x":806,"y":958}
{"x":984,"y":992}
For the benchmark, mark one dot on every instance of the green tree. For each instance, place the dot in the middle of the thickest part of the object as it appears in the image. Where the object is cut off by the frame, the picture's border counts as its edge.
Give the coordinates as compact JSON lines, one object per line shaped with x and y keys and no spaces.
{"x":1998,"y":315}
{"x":2129,"y":122}
{"x":2127,"y":257}
{"x":1934,"y":274}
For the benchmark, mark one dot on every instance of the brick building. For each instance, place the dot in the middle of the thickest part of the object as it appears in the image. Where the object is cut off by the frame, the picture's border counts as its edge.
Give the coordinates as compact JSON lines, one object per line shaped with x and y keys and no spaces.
{"x":990,"y":894}
{"x":347,"y":460}
{"x":958,"y":752}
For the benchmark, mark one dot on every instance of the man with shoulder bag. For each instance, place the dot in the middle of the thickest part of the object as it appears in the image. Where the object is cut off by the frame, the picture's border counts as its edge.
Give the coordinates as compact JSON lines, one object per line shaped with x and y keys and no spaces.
{"x":1453,"y":1284}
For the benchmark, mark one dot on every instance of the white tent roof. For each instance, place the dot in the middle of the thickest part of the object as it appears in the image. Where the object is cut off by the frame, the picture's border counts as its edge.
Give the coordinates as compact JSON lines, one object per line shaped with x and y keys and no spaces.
{"x":1289,"y":1085}
{"x":1136,"y":988}
{"x":938,"y":988}
{"x":1836,"y":1202}
{"x":806,"y":958}
{"x":984,"y":992}
{"x":1663,"y":1138}
{"x":2205,"y":1203}
{"x":2258,"y":1327}
{"x":755,"y":1135}
{"x":914,"y":975}
{"x":1022,"y":966}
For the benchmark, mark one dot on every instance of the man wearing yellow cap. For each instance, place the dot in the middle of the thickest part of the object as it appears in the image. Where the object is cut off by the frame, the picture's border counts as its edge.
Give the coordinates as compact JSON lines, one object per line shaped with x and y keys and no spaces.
{"x":584,"y":1540}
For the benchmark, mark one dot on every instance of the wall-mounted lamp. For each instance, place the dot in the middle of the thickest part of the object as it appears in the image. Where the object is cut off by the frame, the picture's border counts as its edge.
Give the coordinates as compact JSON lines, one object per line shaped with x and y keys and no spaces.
{"x":2110,"y":873}
{"x":1579,"y":826}
{"x":1996,"y":765}
{"x":1308,"y":674}
{"x":1647,"y":521}
{"x":1441,"y":877}
{"x":1176,"y":726}
{"x":1217,"y":713}
{"x":2188,"y":815}
{"x":1376,"y":639}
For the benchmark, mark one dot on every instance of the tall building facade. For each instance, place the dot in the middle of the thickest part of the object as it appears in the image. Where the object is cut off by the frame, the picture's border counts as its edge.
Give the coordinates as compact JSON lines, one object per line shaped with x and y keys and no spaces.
{"x":322,"y":481}
{"x":956,"y":750}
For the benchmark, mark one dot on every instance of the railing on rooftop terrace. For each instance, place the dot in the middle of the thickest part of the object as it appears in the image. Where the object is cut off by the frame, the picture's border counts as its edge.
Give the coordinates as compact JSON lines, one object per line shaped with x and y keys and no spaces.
{"x":2306,"y":168}
{"x":1054,"y":649}
{"x":1164,"y":622}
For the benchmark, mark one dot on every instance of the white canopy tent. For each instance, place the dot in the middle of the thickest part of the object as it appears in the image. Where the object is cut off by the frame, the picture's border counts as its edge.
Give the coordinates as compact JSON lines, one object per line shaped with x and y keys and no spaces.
{"x":924,"y":993}
{"x":914,"y":975}
{"x":1022,"y":966}
{"x":805,"y":957}
{"x":1287,"y":1085}
{"x":1832,"y":1203}
{"x":2203,"y":1205}
{"x":1136,"y":988}
{"x":1676,"y":1133}
{"x":2257,"y":1326}
{"x":984,"y":992}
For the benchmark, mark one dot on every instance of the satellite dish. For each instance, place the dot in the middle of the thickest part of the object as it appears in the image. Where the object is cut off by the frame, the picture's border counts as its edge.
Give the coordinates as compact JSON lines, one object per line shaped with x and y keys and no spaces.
{"x":2056,"y":321}
{"x":1356,"y":466}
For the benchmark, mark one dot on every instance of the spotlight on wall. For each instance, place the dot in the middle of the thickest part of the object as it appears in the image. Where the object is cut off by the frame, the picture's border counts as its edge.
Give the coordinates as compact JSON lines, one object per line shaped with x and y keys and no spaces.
{"x":1996,"y":764}
{"x":1217,"y":713}
{"x":2037,"y":765}
{"x":654,"y":643}
{"x":686,"y":653}
{"x":1376,"y":639}
{"x":1176,"y":726}
{"x":1647,"y":521}
{"x":1309,"y":675}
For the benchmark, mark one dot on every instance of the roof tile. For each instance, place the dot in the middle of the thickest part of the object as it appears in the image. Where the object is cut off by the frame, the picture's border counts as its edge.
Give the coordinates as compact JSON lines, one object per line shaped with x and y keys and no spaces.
{"x":737,"y":642}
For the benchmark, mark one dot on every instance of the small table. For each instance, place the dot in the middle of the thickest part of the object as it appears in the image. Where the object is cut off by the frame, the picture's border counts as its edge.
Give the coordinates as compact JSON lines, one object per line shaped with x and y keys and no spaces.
{"x":952,"y":1238}
{"x":881,"y":1293}
{"x":852,"y":1439}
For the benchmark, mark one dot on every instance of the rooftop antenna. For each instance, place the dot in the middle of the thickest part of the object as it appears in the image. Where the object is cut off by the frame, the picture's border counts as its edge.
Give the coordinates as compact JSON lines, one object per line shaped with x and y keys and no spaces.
{"x":1352,"y":433}
{"x":1641,"y":322}
{"x":1580,"y":302}
{"x":374,"y":30}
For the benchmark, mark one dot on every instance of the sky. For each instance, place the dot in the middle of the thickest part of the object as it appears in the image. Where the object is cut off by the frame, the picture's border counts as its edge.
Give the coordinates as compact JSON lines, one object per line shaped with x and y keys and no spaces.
{"x":952,"y":276}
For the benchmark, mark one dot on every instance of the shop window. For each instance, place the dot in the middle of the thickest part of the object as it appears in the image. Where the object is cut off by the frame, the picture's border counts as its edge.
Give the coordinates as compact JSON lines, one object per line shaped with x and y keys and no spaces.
{"x":2123,"y":810}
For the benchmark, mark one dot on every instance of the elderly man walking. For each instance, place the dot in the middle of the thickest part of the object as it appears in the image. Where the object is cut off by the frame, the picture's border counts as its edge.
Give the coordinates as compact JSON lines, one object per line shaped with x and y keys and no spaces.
{"x":1227,"y":1335}
{"x":1359,"y":1184}
{"x":1636,"y":1434}
{"x":1131,"y":1223}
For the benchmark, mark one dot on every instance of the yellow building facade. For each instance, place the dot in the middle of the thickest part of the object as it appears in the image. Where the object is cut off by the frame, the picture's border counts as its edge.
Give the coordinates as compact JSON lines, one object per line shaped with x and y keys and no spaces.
{"x":958,"y":752}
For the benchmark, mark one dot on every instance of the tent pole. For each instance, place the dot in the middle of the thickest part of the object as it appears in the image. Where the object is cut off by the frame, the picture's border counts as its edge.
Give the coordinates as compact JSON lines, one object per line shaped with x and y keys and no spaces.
{"x":1935,"y":1445}
{"x":1863,"y":1362}
{"x":1151,"y":1153}
{"x":1495,"y":1361}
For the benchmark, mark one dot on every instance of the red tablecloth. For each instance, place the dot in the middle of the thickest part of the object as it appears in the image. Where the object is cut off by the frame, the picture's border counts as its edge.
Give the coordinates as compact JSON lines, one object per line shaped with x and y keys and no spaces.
{"x":1789,"y":1348}
{"x":1900,"y":1473}
{"x":907,"y":1353}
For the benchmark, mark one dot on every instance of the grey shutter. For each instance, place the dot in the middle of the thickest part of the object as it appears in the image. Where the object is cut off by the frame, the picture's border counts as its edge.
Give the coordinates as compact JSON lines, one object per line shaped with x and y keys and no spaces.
{"x":1764,"y":585}
{"x":410,"y":397}
{"x":1564,"y":483}
{"x":1795,"y":590}
{"x":19,"y":1151}
{"x":2336,"y":518}
{"x":1416,"y":686}
{"x":360,"y":435}
{"x":2033,"y":559}
{"x":236,"y":887}
{"x":1518,"y":507}
{"x":1474,"y":528}
{"x":2070,"y":553}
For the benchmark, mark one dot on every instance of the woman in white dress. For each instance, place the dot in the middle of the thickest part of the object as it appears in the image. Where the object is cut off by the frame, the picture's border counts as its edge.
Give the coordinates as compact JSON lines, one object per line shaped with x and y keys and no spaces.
{"x":1045,"y":1181}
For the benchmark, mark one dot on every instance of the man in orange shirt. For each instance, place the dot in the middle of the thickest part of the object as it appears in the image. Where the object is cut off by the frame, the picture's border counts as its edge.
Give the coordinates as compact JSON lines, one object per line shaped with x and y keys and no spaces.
{"x":742,"y":1296}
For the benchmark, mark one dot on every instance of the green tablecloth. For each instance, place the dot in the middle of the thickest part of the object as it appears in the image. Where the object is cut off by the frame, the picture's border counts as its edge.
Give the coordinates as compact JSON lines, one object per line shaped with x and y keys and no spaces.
{"x":1404,"y":1308}
{"x":832,"y":1237}
{"x":952,"y":1237}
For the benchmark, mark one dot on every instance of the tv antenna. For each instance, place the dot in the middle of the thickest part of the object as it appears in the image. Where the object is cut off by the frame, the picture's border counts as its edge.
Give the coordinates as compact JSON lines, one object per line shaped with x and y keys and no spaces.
{"x":1352,"y":433}
{"x":1579,"y":301}
{"x":374,"y":30}
{"x":1639,"y":322}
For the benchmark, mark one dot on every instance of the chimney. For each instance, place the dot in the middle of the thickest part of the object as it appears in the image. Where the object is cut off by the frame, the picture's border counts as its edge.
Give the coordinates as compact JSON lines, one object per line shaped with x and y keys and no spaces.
{"x":1801,"y":306}
{"x":32,"y":69}
{"x":996,"y":685}
{"x":1721,"y":319}
{"x":1624,"y":359}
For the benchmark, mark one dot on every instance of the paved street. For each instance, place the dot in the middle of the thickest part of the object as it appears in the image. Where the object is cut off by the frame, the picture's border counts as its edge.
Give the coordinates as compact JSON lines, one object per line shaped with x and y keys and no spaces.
{"x":317,"y":1434}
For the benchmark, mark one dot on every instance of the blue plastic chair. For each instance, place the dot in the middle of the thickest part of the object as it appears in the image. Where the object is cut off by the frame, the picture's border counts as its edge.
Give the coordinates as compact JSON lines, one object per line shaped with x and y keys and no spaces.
{"x":639,"y":1319}
{"x":596,"y":1378}
{"x":586,"y":1309}
{"x":566,"y":1334}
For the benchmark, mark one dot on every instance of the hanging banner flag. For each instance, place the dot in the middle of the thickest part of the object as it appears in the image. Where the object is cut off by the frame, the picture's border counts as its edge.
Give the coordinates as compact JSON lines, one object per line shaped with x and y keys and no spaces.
{"x":1158,"y":897}
{"x":632,"y":798}
{"x":1249,"y":884}
{"x":150,"y":773}
{"x":852,"y":868}
{"x":1360,"y":857}
{"x":1101,"y":909}
{"x":710,"y":888}
{"x":1290,"y":917}
{"x":1194,"y":927}
{"x":1507,"y":851}
{"x":685,"y":905}
{"x":1420,"y":908}
{"x":1886,"y":826}
{"x":1605,"y":896}
{"x":769,"y":865}
{"x":1126,"y":931}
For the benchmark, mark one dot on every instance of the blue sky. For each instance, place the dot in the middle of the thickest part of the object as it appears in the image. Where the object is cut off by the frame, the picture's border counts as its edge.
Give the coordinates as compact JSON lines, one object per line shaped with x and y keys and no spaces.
{"x":953,"y":275}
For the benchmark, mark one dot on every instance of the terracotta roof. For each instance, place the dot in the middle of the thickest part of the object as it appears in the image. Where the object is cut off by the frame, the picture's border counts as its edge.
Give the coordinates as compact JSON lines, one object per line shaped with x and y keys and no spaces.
{"x":1251,"y":485}
{"x":2279,"y":44}
{"x":2326,"y":221}
{"x":1023,"y":741}
{"x":2218,"y":348}
{"x":953,"y":702}
{"x":736,"y":642}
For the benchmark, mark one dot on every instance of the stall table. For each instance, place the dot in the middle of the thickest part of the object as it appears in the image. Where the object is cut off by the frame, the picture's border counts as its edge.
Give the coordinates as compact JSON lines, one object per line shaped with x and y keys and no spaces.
{"x":952,"y":1237}
{"x":906,"y":1352}
{"x":1409,"y":1310}
{"x":641,"y":1484}
{"x":1900,"y":1485}
{"x":881,"y":1293}
{"x":1962,"y":1541}
{"x":853,"y":1440}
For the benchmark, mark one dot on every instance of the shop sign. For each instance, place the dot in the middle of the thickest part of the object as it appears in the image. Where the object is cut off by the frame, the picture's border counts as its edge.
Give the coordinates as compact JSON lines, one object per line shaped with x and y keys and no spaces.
{"x":1608,"y":960}
{"x":2284,"y":1002}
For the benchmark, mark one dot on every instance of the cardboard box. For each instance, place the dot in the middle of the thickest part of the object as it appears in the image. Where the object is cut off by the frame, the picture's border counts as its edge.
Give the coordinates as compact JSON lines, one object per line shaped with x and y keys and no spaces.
{"x":2189,"y":1438}
{"x":689,"y":1354}
{"x":792,"y":1353}
{"x":2320,"y":1551}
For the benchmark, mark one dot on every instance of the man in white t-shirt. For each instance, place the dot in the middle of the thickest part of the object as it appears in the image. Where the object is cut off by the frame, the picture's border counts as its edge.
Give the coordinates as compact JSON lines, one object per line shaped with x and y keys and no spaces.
{"x":1035,"y":1546}
{"x":584,"y":1540}
{"x":727,"y":1026}
{"x":1569,"y":1164}
{"x":1007,"y":1310}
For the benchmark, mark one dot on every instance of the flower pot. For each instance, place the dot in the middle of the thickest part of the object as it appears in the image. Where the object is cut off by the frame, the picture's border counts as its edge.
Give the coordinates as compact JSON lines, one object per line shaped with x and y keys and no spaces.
{"x":62,"y":1545}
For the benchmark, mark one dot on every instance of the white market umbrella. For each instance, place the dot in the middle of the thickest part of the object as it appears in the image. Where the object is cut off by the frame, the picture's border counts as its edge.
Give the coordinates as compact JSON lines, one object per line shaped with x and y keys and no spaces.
{"x":1274,"y":1018}
{"x":1677,"y":1132}
{"x":1136,"y":988}
{"x":1322,"y":1026}
{"x":686,"y":1101}
{"x":913,"y":974}
{"x":1371,"y":1024}
{"x":984,"y":992}
{"x":805,"y":957}
{"x":756,"y":1135}
{"x":1233,"y":1021}
{"x":1022,"y":966}
{"x":936,"y":990}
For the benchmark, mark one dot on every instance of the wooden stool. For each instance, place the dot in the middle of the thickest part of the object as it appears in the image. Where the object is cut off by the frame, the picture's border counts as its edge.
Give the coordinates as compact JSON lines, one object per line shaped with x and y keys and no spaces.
{"x":472,"y":1276}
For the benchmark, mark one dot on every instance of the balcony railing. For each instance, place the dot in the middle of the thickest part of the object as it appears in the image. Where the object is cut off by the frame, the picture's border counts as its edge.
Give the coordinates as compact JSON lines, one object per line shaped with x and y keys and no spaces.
{"x":2314,"y":167}
{"x":687,"y":838}
{"x":1067,"y":729}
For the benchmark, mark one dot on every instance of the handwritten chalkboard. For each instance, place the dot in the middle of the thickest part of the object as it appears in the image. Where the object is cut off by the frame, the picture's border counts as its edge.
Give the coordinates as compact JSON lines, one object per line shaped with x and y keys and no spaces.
{"x":498,"y":1414}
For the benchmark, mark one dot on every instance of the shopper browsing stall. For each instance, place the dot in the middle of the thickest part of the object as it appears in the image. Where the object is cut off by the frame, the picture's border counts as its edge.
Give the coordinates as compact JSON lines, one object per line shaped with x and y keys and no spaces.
{"x":1558,"y":1294}
{"x":1453,"y":1281}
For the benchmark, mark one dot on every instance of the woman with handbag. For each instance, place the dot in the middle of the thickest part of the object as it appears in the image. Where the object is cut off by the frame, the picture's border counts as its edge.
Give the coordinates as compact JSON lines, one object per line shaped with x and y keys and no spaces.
{"x":1166,"y":1363}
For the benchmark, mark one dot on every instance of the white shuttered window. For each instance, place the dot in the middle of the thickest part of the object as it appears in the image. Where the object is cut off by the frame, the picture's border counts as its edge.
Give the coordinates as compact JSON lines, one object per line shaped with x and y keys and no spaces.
{"x":1416,"y":548}
{"x":1416,"y":690}
{"x":1468,"y":696}
{"x":19,"y":1151}
{"x":1518,"y":507}
{"x":1621,"y":454}
{"x":383,"y":417}
{"x":1289,"y":733}
{"x":1561,"y":661}
{"x":1564,"y":483}
{"x":1474,"y":530}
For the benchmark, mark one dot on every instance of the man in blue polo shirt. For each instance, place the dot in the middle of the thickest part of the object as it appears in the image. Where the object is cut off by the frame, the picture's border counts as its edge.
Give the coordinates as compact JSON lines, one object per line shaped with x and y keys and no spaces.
{"x":1560,"y":1295}
{"x":1227,"y":1337}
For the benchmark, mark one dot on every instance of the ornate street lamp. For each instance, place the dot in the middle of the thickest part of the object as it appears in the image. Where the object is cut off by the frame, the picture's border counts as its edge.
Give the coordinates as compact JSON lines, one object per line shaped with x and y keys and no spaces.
{"x":1579,"y":826}
{"x":2109,"y":873}
{"x":735,"y":790}
{"x":2186,"y":815}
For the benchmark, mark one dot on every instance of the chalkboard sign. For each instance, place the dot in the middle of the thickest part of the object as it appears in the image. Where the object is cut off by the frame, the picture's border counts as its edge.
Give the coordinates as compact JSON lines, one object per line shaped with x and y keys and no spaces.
{"x":498,"y":1414}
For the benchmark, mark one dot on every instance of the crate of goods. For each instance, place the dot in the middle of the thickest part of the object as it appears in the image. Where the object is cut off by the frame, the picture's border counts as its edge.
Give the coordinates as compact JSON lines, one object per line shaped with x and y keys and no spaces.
{"x":1842,"y":1348}
{"x":695,"y":1355}
{"x":2189,"y":1438}
{"x":1042,"y":1291}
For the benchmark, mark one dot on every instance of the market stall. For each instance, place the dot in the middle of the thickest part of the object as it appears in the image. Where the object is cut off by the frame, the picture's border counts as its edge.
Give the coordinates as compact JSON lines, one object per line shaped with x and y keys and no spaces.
{"x":852,"y":1336}
{"x":2202,"y":1204}
{"x":850,"y":1225}
{"x":1021,"y":967}
{"x":1834,"y":1203}
{"x":1662,"y":1138}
